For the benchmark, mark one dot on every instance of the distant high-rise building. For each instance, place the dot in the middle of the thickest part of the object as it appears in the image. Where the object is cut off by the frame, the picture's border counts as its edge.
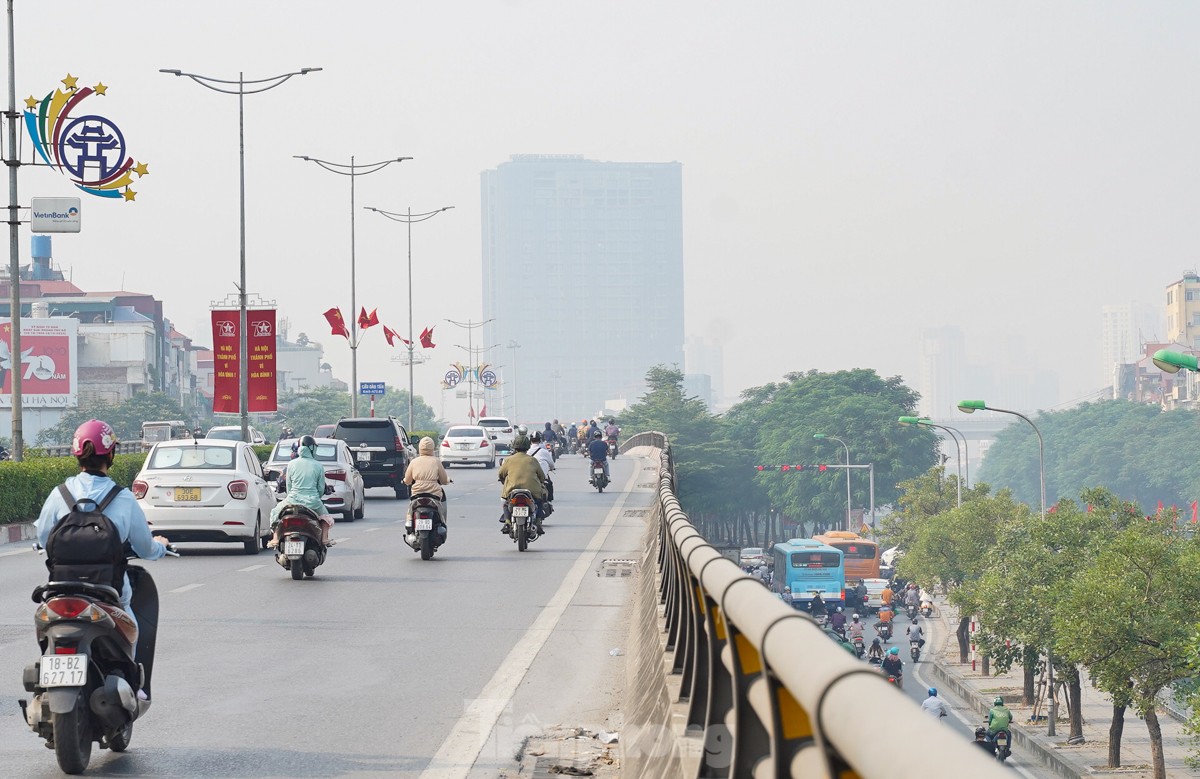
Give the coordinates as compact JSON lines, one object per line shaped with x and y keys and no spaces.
{"x":704,"y":357}
{"x":943,"y":362}
{"x":1124,"y":328}
{"x":583,"y":267}
{"x":1183,"y":310}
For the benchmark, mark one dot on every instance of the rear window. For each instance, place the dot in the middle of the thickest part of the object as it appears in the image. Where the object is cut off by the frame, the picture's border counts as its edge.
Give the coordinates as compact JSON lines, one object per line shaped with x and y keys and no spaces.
{"x":187,"y":457}
{"x":232,"y":434}
{"x":283,"y":451}
{"x":367,"y":432}
{"x":324,"y":431}
{"x":494,"y":423}
{"x":465,"y":432}
{"x":815,"y":560}
{"x":858,"y":551}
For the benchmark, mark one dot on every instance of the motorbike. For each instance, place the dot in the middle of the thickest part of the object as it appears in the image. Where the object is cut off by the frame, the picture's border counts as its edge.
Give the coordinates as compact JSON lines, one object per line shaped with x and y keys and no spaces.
{"x":424,"y":528}
{"x":556,"y":449}
{"x":885,"y":632}
{"x":896,"y":679}
{"x":914,"y":650}
{"x":926,"y":609}
{"x":839,"y":631}
{"x":84,"y":686}
{"x":300,"y":549}
{"x":612,"y":447}
{"x":859,"y":647}
{"x":912,"y":611}
{"x":519,"y":518}
{"x":1001,"y":742}
{"x":598,"y":480}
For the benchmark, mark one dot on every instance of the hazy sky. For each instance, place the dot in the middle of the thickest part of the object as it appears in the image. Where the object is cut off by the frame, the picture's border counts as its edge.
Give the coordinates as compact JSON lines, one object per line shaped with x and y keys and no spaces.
{"x":852,"y":173}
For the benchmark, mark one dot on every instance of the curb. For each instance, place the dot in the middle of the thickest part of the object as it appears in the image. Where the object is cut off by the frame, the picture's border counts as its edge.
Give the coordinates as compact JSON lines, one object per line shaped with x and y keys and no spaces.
{"x":15,"y":532}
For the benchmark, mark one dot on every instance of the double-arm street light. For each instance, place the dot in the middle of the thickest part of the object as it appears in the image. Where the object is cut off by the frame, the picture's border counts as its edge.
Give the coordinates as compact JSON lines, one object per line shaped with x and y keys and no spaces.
{"x":241,"y":88}
{"x":353,"y":171}
{"x":409,"y":218}
{"x":970,"y":407}
{"x":514,"y":346}
{"x":922,"y":422}
{"x":471,"y":350}
{"x":822,"y":437}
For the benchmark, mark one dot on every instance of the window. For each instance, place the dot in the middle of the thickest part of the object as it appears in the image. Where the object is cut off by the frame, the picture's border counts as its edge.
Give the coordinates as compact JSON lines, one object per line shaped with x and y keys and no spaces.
{"x":858,"y":551}
{"x":815,"y":559}
{"x":181,"y":457}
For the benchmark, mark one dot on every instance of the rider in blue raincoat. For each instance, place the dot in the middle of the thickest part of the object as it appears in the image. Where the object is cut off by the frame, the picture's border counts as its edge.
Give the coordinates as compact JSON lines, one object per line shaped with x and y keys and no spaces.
{"x":305,"y":481}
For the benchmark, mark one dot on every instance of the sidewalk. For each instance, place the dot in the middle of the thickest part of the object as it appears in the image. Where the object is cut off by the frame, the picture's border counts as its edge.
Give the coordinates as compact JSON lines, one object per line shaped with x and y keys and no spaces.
{"x":1060,"y":758}
{"x":16,"y":531}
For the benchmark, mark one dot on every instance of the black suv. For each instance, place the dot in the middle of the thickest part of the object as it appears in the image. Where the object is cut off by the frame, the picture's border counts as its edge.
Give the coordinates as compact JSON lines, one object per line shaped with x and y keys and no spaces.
{"x":380,"y":449}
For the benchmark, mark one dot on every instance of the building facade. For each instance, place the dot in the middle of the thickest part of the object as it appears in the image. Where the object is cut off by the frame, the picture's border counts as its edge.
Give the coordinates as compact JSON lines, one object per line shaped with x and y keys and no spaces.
{"x":1183,"y":310}
{"x":583,"y":275}
{"x":1124,"y":328}
{"x":943,"y":362}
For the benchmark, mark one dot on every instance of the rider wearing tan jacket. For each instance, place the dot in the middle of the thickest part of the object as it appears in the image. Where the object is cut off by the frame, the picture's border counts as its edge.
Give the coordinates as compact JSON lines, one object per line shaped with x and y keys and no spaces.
{"x":425,"y":475}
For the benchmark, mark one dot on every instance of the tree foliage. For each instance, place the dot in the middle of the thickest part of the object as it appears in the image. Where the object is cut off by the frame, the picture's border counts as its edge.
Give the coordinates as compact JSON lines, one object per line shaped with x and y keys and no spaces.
{"x":126,"y":418}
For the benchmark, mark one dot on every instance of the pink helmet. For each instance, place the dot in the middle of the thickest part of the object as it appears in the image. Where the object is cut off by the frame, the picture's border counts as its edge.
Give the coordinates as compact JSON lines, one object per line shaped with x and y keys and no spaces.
{"x":100,"y":434}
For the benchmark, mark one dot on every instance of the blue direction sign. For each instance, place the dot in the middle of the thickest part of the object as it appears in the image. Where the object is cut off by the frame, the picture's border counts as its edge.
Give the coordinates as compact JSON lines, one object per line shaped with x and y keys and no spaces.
{"x":370,"y":388}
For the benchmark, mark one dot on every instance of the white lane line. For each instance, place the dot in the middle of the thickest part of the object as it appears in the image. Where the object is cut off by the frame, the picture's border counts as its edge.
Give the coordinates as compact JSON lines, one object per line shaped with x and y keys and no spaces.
{"x":251,"y":568}
{"x":470,"y":735}
{"x":186,"y":587}
{"x":372,"y":529}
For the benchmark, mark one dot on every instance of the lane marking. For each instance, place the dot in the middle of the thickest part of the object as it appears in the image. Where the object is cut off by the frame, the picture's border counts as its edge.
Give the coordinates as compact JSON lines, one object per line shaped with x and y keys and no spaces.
{"x":252,"y":568}
{"x":186,"y":587}
{"x":372,"y":529}
{"x":466,"y":741}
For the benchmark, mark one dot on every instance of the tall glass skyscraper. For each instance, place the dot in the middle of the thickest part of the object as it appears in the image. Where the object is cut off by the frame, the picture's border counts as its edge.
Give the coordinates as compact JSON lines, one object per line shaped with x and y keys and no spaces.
{"x":583,"y":268}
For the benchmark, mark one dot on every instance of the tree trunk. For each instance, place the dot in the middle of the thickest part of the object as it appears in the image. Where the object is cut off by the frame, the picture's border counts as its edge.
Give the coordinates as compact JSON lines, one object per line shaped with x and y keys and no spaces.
{"x":1075,"y":695}
{"x":1156,"y":748}
{"x":987,"y":665}
{"x":1114,"y":736}
{"x":1029,"y":665}
{"x":964,"y":642}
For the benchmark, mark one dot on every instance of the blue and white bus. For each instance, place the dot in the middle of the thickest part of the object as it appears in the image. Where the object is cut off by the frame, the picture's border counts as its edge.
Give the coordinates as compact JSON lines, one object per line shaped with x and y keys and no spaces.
{"x":806,"y":566}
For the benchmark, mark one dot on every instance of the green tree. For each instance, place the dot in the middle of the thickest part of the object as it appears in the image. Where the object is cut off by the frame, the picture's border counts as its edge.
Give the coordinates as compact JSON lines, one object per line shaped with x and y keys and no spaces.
{"x":776,"y":424}
{"x":395,"y":403}
{"x":1128,"y":617}
{"x":303,"y":412}
{"x":126,"y":418}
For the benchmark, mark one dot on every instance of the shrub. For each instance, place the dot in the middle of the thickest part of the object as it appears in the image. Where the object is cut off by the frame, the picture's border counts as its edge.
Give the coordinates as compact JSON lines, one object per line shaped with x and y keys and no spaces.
{"x":25,"y":485}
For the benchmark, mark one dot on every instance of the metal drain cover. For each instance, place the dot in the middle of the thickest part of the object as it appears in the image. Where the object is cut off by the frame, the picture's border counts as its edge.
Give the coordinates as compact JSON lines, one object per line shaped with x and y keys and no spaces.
{"x":616,"y":569}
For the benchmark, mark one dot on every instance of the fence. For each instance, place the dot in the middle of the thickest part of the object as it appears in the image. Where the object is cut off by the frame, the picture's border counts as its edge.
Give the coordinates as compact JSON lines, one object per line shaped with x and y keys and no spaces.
{"x":761,"y":689}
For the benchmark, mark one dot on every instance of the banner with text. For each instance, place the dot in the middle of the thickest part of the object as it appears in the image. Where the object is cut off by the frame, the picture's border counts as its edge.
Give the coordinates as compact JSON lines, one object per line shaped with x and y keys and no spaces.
{"x":260,"y":342}
{"x":48,"y":363}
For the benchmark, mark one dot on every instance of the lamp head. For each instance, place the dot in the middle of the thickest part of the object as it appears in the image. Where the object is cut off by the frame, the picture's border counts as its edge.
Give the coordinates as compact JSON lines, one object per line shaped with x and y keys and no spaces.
{"x":971,"y":406}
{"x":909,"y":421}
{"x":819,"y":436}
{"x":172,"y":72}
{"x":306,"y":71}
{"x":1171,"y":362}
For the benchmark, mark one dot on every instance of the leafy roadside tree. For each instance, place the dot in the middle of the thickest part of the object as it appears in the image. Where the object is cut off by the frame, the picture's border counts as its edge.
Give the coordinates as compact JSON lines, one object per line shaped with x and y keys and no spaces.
{"x":1128,"y":617}
{"x":395,"y":403}
{"x":303,"y":412}
{"x":777,"y":423}
{"x":126,"y":418}
{"x":945,"y":545}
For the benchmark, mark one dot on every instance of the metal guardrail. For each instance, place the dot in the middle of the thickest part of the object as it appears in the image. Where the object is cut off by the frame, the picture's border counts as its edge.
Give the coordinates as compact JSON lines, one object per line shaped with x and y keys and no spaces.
{"x":766,"y":692}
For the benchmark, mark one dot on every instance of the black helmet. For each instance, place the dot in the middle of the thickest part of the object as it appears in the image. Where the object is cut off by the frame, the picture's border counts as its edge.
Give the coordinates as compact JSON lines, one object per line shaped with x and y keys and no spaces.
{"x":310,"y":443}
{"x":596,"y":434}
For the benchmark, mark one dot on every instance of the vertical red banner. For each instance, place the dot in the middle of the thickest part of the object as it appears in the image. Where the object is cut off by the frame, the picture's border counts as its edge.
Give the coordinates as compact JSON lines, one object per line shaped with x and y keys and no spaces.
{"x":225,"y":362}
{"x":260,"y":343}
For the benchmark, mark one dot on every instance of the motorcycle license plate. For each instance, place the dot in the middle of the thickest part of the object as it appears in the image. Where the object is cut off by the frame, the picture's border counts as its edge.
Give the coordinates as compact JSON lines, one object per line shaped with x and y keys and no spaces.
{"x":598,"y":471}
{"x":520,"y":511}
{"x":293,"y":548}
{"x":424,"y":524}
{"x":1001,"y":740}
{"x":63,"y":671}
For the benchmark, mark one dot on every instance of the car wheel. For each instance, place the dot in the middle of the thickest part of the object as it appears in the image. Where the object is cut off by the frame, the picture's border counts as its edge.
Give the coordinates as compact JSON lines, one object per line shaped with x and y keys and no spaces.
{"x":348,"y":516}
{"x":251,"y":544}
{"x":362,"y":506}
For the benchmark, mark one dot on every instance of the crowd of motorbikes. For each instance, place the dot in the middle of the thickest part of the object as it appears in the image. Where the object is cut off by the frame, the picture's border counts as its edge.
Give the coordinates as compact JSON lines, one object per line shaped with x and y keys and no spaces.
{"x":87,"y":688}
{"x":998,"y":744}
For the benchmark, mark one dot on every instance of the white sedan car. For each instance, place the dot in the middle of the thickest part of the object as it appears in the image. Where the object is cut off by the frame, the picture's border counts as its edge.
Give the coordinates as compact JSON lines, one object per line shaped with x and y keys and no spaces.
{"x":465,"y":444}
{"x":207,"y":490}
{"x":349,"y":496}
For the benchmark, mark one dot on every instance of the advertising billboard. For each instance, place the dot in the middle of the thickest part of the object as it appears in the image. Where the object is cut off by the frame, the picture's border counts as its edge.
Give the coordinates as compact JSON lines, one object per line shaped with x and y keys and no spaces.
{"x":49,"y":363}
{"x":260,"y":342}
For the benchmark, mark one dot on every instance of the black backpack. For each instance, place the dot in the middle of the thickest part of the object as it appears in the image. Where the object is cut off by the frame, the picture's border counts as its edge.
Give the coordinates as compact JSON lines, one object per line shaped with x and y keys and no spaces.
{"x":85,"y":545}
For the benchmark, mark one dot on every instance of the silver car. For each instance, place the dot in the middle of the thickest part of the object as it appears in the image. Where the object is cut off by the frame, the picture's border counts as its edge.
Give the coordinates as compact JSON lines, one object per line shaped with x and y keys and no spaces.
{"x":349,"y":496}
{"x":468,"y":444}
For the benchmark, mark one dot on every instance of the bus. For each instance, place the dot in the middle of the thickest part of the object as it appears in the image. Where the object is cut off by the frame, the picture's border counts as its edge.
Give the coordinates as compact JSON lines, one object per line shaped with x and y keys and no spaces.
{"x":861,"y":555}
{"x":805,"y":566}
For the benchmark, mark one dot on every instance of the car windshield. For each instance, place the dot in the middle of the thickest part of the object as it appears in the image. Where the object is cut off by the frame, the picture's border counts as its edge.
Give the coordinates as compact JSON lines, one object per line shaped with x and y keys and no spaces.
{"x":229,"y":434}
{"x":465,"y":432}
{"x":815,"y":560}
{"x":367,"y":433}
{"x":187,"y":457}
{"x":283,"y":451}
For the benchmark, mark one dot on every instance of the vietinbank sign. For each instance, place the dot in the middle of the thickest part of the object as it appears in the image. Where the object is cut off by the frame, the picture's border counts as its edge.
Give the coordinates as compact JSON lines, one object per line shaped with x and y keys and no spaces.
{"x":54,"y":215}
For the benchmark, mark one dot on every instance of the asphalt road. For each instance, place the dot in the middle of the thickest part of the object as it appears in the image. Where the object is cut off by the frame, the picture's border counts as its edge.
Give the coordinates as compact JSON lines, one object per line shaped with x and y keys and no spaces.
{"x":382,"y":665}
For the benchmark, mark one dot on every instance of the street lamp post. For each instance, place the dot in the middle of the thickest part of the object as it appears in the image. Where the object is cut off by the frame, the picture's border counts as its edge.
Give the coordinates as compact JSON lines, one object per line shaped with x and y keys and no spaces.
{"x":921,"y":422}
{"x":821,"y":437}
{"x":470,"y":347}
{"x":514,"y":346}
{"x":353,"y":171}
{"x":970,"y":407}
{"x":409,"y":219}
{"x":244,"y":87}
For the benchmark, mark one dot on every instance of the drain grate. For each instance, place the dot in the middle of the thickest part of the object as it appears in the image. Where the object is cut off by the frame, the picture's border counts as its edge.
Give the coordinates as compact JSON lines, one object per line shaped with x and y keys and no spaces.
{"x":616,"y":569}
{"x":645,"y":484}
{"x":635,"y":512}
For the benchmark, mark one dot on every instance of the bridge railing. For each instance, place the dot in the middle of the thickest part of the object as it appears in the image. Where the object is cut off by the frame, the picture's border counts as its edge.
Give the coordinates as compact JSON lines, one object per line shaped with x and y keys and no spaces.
{"x":764,"y":692}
